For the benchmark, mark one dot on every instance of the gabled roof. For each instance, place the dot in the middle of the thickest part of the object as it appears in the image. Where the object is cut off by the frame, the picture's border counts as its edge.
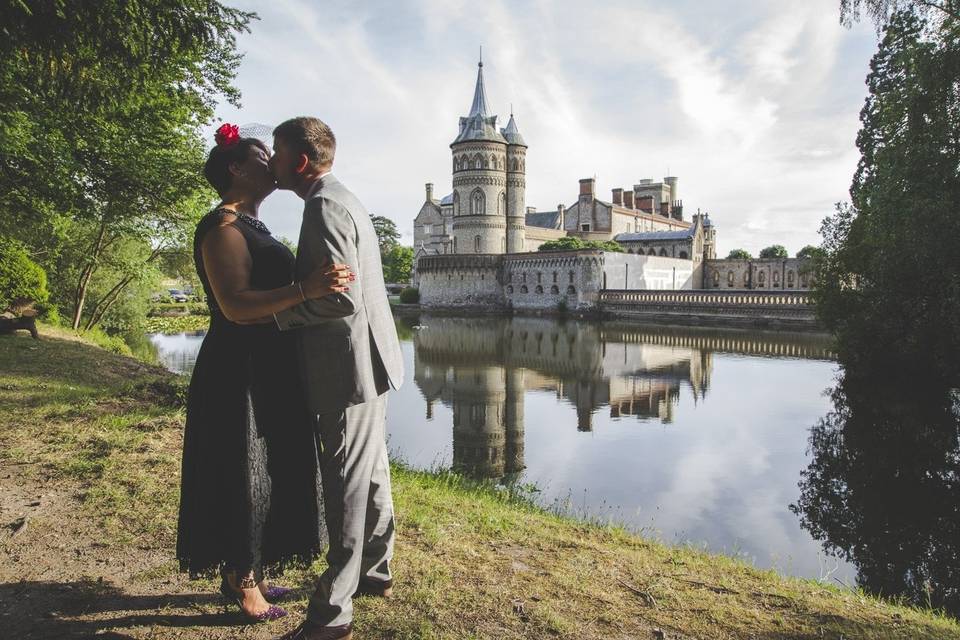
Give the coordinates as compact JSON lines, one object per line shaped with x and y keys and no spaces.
{"x":512,"y":133}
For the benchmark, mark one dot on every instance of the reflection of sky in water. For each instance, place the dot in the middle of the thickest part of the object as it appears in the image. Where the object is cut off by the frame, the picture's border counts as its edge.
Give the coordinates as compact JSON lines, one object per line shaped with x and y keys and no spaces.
{"x":688,"y":444}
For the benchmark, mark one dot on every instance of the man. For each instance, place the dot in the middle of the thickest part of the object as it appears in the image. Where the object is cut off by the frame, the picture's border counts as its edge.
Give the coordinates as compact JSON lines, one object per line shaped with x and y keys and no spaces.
{"x":350,"y":357}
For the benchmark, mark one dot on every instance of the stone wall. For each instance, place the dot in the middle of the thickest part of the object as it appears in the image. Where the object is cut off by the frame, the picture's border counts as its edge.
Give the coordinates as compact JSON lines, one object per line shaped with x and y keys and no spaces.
{"x":453,"y":280}
{"x":542,"y":280}
{"x":766,"y":273}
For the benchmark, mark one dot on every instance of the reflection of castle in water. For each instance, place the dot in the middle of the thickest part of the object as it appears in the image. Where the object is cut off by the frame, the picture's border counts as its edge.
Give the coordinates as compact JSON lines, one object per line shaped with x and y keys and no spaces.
{"x":482,"y":367}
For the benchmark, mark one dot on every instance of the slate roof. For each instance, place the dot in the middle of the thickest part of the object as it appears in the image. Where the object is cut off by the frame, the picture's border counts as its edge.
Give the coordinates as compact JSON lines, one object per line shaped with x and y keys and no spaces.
{"x":512,"y":133}
{"x":447,"y":199}
{"x":479,"y":125}
{"x":543,"y":219}
{"x":685,"y":234}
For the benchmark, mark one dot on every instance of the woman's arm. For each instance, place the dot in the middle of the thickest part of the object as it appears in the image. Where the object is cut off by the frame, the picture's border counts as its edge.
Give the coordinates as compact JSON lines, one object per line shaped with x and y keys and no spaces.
{"x":227,"y":262}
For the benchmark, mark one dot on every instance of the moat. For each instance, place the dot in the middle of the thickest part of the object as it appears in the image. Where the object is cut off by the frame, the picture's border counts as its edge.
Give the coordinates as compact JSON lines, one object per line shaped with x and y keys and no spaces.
{"x":689,"y":436}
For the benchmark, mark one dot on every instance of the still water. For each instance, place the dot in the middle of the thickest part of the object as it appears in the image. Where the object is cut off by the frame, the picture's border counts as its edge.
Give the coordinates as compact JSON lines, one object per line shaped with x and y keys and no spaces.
{"x":690,"y":436}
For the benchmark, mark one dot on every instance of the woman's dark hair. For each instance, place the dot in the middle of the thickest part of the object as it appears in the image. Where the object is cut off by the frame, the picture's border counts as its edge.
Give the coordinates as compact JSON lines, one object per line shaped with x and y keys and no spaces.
{"x":217,"y":168}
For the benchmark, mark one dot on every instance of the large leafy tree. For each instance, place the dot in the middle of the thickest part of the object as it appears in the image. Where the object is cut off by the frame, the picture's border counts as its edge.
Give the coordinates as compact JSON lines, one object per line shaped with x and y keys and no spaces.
{"x":387,"y":234}
{"x":100,"y":109}
{"x":739,"y":254}
{"x":774,"y":251}
{"x":891,"y":272}
{"x":573,"y":243}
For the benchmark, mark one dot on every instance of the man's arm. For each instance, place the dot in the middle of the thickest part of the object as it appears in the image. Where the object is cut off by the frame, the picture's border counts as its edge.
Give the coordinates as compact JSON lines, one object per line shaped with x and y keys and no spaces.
{"x":328,"y":233}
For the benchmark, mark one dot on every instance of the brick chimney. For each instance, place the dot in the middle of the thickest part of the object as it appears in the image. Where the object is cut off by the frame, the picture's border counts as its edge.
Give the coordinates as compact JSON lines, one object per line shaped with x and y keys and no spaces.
{"x":429,"y":186}
{"x":645,"y":203}
{"x":587,"y":187}
{"x":618,"y":196}
{"x":628,"y":199}
{"x":665,"y":209}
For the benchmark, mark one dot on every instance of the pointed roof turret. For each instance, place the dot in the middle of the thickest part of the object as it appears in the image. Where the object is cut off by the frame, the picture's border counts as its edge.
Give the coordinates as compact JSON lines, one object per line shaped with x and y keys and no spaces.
{"x":479,"y":106}
{"x":512,"y":133}
{"x":479,"y":125}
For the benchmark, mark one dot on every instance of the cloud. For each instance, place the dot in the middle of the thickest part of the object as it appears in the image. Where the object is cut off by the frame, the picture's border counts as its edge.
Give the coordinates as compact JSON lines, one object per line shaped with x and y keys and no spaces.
{"x":754,"y":106}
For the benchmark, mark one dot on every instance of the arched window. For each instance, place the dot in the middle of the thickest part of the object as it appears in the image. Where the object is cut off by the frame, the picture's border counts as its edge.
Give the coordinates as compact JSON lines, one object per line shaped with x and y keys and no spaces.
{"x":776,"y":278}
{"x":729,"y":278}
{"x":716,"y":278}
{"x":790,"y":278}
{"x":477,"y":162}
{"x":476,"y":244}
{"x":571,"y":291}
{"x":683,"y":255}
{"x":456,"y":164}
{"x":539,"y":289}
{"x":477,"y":203}
{"x":554,"y":289}
{"x":523,"y":288}
{"x":456,"y":204}
{"x":652,"y":252}
{"x":510,"y":288}
{"x":762,"y":278}
{"x":746,"y":278}
{"x":803,"y":280}
{"x":663,"y":252}
{"x":501,"y":204}
{"x":493,"y":161}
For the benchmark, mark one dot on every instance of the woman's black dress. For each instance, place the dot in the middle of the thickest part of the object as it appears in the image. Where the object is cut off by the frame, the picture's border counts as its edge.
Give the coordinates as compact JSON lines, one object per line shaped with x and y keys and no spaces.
{"x":250,"y":489}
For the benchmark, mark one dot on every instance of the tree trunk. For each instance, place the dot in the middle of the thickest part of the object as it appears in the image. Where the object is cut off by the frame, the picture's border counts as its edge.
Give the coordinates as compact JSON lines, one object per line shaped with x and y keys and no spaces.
{"x":104,"y":304}
{"x":85,"y":276}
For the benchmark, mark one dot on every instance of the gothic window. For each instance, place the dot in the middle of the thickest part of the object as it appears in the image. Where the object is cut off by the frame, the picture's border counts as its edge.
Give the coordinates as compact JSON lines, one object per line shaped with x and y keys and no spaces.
{"x":683,"y":255}
{"x":513,"y":165}
{"x":652,"y":252}
{"x":554,"y":289}
{"x":790,"y":278}
{"x":729,"y":278}
{"x":716,"y":278}
{"x":539,"y":289}
{"x":803,"y":281}
{"x":456,"y":164}
{"x":501,"y":204}
{"x":476,"y":244}
{"x":523,"y":288}
{"x":456,"y":204}
{"x":477,"y":204}
{"x":477,"y":162}
{"x":762,"y":278}
{"x":571,"y":291}
{"x":663,"y":252}
{"x":464,"y":162}
{"x":746,"y":278}
{"x":776,"y":278}
{"x":510,"y":288}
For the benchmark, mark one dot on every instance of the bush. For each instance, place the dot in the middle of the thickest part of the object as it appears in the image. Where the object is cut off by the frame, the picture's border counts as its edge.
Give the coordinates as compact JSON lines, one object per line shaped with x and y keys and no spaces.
{"x":573,"y":243}
{"x":23,"y":283}
{"x":410,"y":295}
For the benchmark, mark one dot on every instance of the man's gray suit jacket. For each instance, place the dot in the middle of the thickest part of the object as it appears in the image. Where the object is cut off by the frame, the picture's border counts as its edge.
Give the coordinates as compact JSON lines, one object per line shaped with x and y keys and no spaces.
{"x":343,"y":336}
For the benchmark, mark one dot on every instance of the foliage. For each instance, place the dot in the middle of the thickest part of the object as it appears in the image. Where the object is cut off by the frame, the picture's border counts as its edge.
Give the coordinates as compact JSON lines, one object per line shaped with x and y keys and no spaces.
{"x":811,"y":252}
{"x":573,"y":243}
{"x":410,"y":295}
{"x":288,"y":243}
{"x":398,"y":264}
{"x":179,"y":309}
{"x":101,"y":106}
{"x":176,"y":324}
{"x":387,"y":234}
{"x":22,"y":281}
{"x":891,"y":270}
{"x":774,"y":251}
{"x":739,"y":254}
{"x":882,"y":11}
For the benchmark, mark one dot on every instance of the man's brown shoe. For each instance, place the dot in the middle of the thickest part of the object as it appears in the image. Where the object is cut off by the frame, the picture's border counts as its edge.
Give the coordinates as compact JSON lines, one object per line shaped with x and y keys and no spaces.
{"x":375,"y":588}
{"x":309,"y":631}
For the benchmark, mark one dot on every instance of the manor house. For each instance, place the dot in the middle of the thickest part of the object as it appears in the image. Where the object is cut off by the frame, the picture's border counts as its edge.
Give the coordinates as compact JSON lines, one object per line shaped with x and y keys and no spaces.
{"x":479,"y":244}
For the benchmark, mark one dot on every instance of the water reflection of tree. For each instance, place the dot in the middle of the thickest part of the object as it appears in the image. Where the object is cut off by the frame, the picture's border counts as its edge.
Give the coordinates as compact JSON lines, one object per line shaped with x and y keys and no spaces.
{"x":883,"y":486}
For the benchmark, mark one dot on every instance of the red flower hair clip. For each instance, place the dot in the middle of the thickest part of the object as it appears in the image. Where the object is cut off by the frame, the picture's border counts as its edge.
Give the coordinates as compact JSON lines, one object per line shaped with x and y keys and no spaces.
{"x":227,"y":135}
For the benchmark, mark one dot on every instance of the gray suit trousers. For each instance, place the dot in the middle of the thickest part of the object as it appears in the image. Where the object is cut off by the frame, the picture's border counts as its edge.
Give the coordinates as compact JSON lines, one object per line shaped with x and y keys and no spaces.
{"x":359,"y":507}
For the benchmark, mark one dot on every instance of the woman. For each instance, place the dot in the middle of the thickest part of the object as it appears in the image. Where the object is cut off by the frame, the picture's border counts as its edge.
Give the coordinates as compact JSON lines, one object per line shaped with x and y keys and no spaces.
{"x":250,"y":485}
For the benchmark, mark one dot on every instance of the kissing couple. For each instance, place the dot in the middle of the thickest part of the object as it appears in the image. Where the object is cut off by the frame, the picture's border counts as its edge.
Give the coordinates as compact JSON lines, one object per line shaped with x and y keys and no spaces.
{"x":284,"y":447}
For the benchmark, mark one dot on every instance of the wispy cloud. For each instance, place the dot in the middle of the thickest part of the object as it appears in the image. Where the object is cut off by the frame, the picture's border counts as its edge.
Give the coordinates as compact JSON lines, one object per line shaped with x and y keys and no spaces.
{"x":753,"y":105}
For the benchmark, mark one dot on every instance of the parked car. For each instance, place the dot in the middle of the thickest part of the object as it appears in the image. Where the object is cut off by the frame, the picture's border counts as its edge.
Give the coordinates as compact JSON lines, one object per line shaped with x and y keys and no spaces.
{"x":177,"y":296}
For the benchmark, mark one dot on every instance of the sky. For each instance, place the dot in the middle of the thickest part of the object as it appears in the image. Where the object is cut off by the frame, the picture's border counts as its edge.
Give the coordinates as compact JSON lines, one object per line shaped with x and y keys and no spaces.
{"x":753,"y":104}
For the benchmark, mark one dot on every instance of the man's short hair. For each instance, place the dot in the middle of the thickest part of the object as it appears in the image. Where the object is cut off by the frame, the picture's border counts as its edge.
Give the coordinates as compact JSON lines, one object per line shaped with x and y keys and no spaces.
{"x":309,"y":136}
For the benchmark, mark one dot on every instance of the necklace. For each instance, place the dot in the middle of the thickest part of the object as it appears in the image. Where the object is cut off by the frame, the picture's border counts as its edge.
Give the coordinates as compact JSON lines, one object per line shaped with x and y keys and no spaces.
{"x":248,"y":220}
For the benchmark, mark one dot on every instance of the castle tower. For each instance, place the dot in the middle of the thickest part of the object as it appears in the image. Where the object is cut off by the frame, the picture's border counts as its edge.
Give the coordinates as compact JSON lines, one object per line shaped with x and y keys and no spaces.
{"x":480,"y":180}
{"x":516,"y":188}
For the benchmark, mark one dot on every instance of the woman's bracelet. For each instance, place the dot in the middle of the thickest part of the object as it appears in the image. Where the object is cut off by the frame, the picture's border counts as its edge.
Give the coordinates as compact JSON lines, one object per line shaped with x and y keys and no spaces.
{"x":300,"y":289}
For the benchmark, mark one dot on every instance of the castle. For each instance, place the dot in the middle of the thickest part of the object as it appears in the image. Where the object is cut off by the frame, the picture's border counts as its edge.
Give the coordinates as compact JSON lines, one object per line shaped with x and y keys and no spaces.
{"x":479,"y":244}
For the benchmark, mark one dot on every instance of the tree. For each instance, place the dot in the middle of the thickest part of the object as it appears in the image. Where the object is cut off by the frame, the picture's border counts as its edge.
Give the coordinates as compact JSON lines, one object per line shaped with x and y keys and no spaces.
{"x":889,"y":273}
{"x":774,"y":251}
{"x":398,"y":264}
{"x":739,"y":254}
{"x":387,"y":234}
{"x":882,"y":11}
{"x":573,"y":243}
{"x":100,"y":109}
{"x":22,"y":281}
{"x":810,"y":252}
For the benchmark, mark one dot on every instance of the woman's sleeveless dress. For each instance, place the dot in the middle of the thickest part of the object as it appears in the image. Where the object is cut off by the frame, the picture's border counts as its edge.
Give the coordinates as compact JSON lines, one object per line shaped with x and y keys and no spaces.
{"x":250,"y":489}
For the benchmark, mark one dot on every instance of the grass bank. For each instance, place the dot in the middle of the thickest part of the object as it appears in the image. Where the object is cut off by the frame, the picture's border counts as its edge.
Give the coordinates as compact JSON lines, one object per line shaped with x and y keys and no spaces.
{"x":89,"y":469}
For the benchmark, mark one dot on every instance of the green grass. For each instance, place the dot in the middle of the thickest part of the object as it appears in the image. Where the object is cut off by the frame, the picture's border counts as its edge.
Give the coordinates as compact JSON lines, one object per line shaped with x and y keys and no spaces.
{"x":472,"y":560}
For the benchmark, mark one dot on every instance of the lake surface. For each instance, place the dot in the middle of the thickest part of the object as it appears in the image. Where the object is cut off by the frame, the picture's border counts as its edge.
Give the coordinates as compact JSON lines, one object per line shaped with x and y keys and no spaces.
{"x":689,"y":436}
